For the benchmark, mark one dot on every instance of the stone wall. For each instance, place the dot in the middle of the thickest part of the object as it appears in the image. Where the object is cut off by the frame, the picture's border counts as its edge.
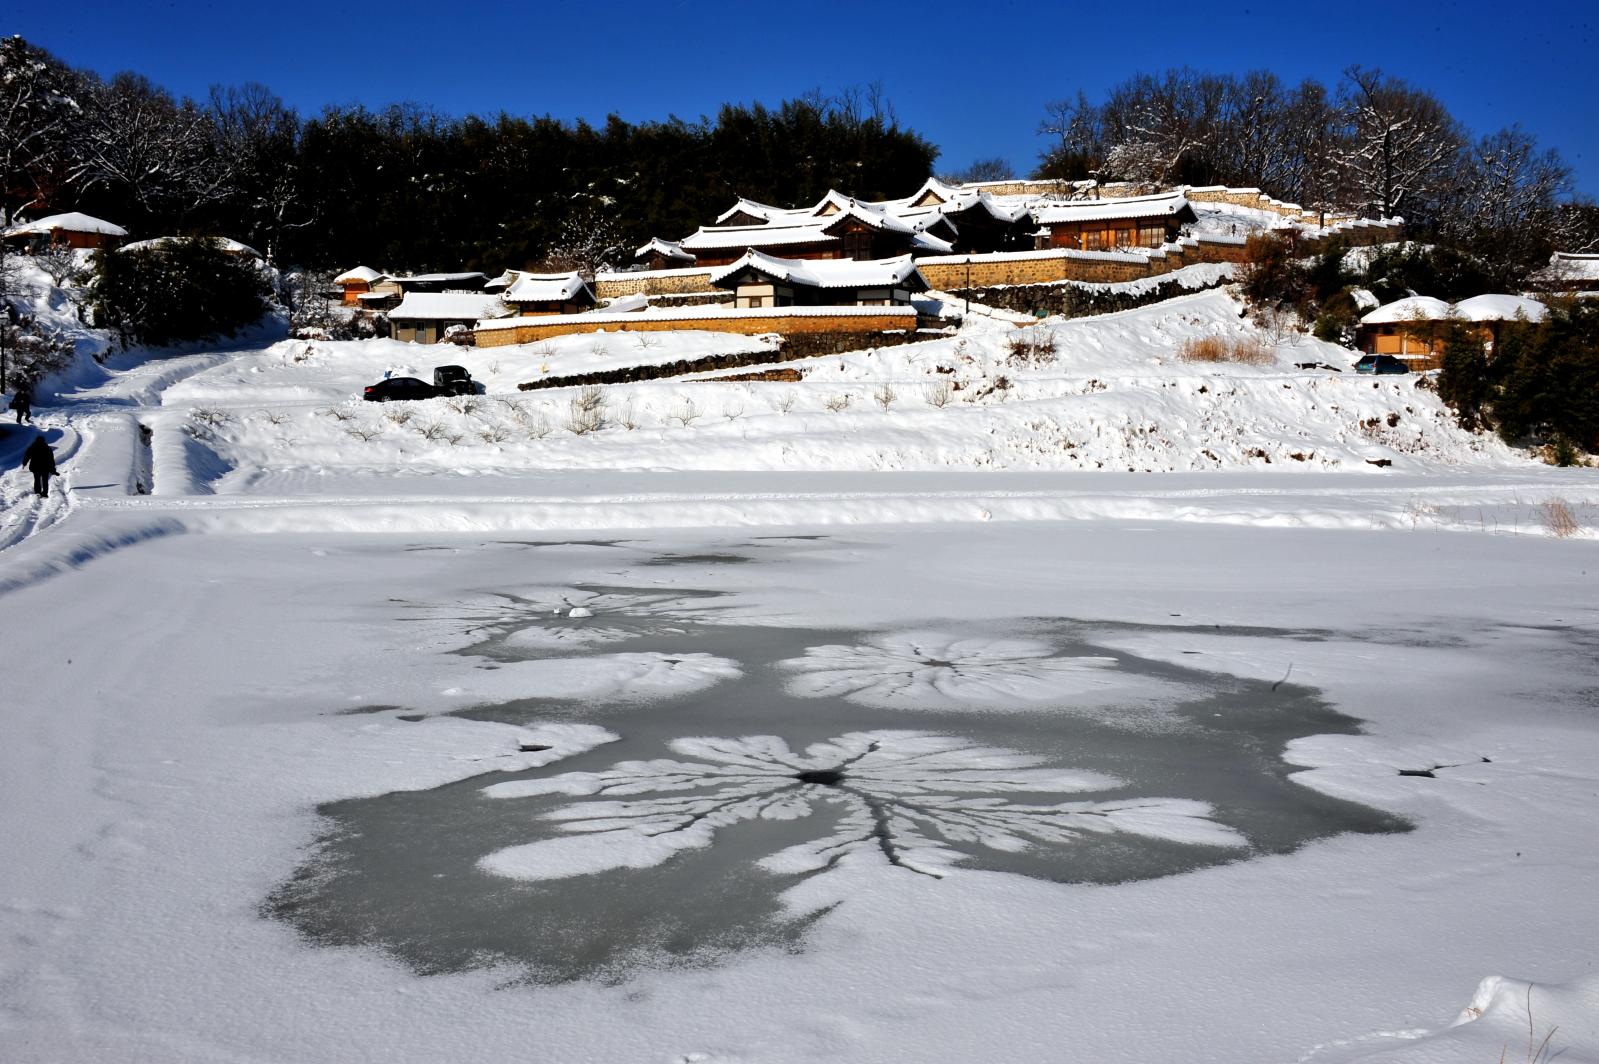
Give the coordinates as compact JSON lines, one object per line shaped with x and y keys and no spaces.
{"x":1241,"y":197}
{"x":798,"y":346}
{"x":1070,"y":299}
{"x":1046,"y":267}
{"x":653,"y":283}
{"x":754,"y":325}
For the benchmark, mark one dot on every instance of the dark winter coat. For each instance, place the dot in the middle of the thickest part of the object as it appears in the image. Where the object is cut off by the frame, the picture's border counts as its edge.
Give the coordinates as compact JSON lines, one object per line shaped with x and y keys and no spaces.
{"x":39,"y":458}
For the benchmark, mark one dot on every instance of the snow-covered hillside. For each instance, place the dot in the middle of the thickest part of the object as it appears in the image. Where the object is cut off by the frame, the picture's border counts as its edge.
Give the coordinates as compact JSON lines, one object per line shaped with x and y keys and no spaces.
{"x":1113,"y":395}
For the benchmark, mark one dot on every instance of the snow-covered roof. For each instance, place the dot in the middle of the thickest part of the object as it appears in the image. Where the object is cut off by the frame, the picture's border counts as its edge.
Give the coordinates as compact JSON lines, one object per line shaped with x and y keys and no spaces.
{"x":827,"y":273}
{"x":163,"y":241}
{"x":713,"y":314}
{"x":361,"y":274}
{"x":1169,"y":203}
{"x":1499,"y":307}
{"x":756,"y":210}
{"x":448,"y":306}
{"x":437,"y":278}
{"x":1411,"y":308}
{"x":72,"y":222}
{"x":546,"y":288}
{"x":1570,"y":266}
{"x":743,"y":236}
{"x":672,"y":249}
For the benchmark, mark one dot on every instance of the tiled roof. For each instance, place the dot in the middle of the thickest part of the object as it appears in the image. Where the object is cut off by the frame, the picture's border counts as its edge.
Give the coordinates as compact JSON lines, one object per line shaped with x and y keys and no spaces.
{"x":826,"y":273}
{"x":545,"y":288}
{"x":448,"y":306}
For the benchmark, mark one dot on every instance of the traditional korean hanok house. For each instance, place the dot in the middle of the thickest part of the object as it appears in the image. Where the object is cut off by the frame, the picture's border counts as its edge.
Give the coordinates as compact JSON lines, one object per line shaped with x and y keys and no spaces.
{"x":388,"y":290}
{"x":837,"y":228}
{"x":356,"y":282}
{"x":761,"y":280}
{"x":1489,"y":314}
{"x":72,"y":229}
{"x":1409,"y":329}
{"x":973,"y":221}
{"x":1107,"y":224}
{"x":424,"y":317}
{"x":548,"y":293}
{"x":1569,"y":271}
{"x":661,"y":254}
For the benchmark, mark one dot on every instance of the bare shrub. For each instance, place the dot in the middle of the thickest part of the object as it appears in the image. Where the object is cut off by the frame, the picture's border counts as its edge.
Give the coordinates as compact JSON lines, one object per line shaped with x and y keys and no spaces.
{"x":1243,"y":349}
{"x":431,"y":431}
{"x":783,"y":402}
{"x":586,"y":411}
{"x":339,"y":415}
{"x":211,"y":417}
{"x":493,"y":434}
{"x":837,"y":403}
{"x":1282,"y":325}
{"x":1031,"y":347}
{"x":465,"y":405}
{"x":363,"y":434}
{"x":59,"y":261}
{"x":733,"y":413}
{"x":273,"y":417}
{"x":885,"y":396}
{"x":397,"y":417}
{"x":628,"y":416}
{"x":685,"y":413}
{"x":537,"y":425}
{"x":940,"y":394}
{"x":1558,"y":520}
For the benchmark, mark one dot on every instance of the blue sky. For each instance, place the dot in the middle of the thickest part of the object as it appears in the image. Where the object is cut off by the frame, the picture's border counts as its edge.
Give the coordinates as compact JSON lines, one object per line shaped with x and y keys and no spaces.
{"x":971,"y":77}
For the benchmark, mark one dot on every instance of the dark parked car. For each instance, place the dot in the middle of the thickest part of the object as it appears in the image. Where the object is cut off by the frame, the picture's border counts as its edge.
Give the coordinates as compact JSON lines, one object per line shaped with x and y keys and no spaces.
{"x":454,"y":380}
{"x":1380,"y":364}
{"x":400,"y":388}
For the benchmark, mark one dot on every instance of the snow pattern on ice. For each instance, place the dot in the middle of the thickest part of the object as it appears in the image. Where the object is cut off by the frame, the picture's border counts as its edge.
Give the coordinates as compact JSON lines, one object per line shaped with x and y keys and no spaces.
{"x":907,"y":799}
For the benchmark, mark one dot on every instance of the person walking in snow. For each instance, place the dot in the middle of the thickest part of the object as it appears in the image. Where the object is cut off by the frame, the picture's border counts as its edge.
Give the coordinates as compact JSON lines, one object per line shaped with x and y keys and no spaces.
{"x":22,"y":403}
{"x":42,"y":461}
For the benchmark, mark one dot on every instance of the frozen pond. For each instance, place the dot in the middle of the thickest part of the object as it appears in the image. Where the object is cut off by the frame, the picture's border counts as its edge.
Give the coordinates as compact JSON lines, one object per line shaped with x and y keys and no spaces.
{"x":762,"y":772}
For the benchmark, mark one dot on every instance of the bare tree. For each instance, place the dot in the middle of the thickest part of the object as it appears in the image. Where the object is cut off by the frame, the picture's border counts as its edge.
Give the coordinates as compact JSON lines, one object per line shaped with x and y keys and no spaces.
{"x":1155,"y":125}
{"x":991,"y":169}
{"x":37,"y":110}
{"x":161,"y":153}
{"x":1079,"y":144}
{"x":260,"y":135}
{"x":59,"y":261}
{"x":1402,"y":145}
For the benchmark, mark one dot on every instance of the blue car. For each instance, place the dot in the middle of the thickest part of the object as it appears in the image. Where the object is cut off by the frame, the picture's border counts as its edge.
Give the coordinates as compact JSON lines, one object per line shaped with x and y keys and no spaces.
{"x":1380,"y":364}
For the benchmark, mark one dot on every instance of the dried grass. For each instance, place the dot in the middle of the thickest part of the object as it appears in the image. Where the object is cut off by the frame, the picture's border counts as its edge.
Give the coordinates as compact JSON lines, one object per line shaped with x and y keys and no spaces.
{"x":1245,"y":350}
{"x":1558,"y":520}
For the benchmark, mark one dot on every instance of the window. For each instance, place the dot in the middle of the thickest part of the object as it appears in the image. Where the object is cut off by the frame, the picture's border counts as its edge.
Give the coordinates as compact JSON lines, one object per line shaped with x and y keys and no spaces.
{"x":858,"y":244}
{"x":1093,"y":238}
{"x":1151,"y":236}
{"x":1124,"y":238}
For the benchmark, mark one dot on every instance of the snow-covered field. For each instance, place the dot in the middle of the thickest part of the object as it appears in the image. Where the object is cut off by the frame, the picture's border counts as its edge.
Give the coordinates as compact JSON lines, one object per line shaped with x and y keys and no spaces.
{"x":763,"y":725}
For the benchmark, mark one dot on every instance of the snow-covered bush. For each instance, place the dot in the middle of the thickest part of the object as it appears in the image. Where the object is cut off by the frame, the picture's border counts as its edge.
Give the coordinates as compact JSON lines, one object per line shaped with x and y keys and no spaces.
{"x":32,"y":350}
{"x":178,"y":291}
